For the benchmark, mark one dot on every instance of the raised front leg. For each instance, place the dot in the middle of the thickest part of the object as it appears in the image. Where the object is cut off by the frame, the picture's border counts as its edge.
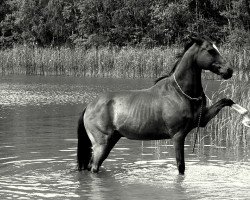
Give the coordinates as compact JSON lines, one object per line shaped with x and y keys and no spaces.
{"x":179,"y":140}
{"x":213,"y":110}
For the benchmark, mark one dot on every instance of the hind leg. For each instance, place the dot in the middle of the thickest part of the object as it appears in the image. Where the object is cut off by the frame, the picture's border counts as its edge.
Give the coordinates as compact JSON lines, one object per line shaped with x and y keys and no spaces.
{"x":102,"y":149}
{"x":90,"y":163}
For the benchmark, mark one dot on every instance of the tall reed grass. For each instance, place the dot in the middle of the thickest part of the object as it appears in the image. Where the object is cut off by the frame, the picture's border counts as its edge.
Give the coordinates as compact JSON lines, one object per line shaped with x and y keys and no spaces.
{"x":226,"y":129}
{"x":103,"y":62}
{"x":127,"y":62}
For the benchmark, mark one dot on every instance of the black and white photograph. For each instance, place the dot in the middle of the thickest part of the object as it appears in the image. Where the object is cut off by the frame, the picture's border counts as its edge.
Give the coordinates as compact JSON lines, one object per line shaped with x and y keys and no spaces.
{"x":124,"y":99}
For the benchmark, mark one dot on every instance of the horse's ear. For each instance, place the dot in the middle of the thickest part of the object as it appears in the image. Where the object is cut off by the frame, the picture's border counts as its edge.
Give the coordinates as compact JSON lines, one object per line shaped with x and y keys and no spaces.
{"x":196,"y":40}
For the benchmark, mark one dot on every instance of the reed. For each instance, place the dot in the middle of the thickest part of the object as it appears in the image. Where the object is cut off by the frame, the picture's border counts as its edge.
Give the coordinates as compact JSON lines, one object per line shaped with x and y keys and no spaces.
{"x":127,"y":62}
{"x":226,"y":129}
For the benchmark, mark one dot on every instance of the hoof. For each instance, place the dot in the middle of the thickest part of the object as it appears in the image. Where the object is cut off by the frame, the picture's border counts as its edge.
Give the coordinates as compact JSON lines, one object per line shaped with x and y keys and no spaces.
{"x":89,"y":167}
{"x":181,"y":169}
{"x":181,"y":173}
{"x":94,"y":170}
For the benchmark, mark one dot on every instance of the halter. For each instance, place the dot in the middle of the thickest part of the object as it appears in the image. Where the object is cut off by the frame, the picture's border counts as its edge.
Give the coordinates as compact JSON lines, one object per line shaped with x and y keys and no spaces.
{"x":194,"y":99}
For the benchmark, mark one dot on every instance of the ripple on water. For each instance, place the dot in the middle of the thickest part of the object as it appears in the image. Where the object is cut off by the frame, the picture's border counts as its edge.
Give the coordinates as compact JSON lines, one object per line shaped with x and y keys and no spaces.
{"x":37,"y":184}
{"x":216,"y":181}
{"x":36,"y":94}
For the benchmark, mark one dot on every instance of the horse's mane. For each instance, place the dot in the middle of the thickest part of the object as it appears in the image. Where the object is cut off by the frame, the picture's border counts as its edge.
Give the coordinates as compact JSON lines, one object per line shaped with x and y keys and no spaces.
{"x":178,"y":57}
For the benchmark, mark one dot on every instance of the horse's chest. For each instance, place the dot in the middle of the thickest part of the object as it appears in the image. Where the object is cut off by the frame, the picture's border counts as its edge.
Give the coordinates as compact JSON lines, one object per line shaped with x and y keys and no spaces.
{"x":177,"y":116}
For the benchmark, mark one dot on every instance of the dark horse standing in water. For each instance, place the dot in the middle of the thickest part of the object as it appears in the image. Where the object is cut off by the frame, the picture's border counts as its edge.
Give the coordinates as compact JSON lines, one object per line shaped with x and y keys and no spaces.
{"x":170,"y":109}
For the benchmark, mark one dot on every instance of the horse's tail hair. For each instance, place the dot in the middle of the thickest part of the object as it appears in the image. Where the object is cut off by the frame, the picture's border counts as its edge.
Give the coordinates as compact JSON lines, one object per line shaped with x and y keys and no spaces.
{"x":84,"y":151}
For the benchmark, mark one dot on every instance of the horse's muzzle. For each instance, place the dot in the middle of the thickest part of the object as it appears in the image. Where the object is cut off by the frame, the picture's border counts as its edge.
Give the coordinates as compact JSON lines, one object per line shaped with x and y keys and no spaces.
{"x":226,"y":73}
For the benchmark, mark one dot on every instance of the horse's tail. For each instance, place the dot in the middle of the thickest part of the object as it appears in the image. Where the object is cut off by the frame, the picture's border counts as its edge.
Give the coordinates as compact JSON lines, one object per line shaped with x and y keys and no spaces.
{"x":84,"y":151}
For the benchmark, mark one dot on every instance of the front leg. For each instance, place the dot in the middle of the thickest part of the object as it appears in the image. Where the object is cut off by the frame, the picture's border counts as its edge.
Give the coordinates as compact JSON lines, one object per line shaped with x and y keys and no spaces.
{"x":212,"y":111}
{"x":179,"y":140}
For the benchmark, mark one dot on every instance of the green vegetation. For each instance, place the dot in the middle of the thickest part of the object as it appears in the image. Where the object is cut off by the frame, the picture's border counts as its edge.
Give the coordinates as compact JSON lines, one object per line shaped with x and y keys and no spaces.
{"x":126,"y":62}
{"x":122,"y":23}
{"x":133,"y":38}
{"x":104,"y":62}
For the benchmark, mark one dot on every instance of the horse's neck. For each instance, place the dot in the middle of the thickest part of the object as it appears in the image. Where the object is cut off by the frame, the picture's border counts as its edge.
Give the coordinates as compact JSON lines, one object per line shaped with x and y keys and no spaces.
{"x":188,"y":76}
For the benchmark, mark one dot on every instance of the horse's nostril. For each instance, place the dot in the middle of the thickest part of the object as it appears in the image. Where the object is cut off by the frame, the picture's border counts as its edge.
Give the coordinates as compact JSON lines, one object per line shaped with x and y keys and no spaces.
{"x":228,"y":74}
{"x":229,"y":70}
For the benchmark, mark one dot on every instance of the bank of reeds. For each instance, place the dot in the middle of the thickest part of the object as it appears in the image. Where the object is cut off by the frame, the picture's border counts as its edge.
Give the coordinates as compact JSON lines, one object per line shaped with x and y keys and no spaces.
{"x":127,"y":62}
{"x":103,"y":62}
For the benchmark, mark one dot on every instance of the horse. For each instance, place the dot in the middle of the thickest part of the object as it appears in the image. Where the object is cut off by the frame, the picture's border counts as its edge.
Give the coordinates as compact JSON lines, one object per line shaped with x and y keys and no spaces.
{"x":170,"y":109}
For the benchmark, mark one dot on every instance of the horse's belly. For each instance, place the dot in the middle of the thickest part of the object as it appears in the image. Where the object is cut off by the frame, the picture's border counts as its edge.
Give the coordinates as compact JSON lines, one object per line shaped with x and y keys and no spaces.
{"x":140,"y":119}
{"x":150,"y":130}
{"x":145,"y":136}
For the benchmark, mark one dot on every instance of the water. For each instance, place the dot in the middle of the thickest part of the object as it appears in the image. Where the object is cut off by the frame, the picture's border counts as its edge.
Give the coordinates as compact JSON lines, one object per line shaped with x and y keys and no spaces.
{"x":38,"y":122}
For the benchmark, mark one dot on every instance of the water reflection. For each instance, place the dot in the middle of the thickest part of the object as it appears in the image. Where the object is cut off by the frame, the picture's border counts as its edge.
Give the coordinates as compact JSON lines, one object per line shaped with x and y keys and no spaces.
{"x":38,"y":149}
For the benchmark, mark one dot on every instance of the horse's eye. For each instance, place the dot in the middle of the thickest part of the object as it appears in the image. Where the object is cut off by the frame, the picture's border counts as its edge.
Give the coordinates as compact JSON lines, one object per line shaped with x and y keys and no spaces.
{"x":213,"y":52}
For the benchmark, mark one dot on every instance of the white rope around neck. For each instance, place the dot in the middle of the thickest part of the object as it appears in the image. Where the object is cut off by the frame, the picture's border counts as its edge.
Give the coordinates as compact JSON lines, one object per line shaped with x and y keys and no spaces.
{"x":186,"y":95}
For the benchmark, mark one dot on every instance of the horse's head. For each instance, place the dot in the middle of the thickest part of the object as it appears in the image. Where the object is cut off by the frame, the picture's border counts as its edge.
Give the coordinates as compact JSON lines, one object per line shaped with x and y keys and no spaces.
{"x":208,"y":57}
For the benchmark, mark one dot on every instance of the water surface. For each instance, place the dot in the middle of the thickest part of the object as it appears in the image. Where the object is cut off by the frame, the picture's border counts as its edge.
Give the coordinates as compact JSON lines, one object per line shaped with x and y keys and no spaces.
{"x":38,"y":122}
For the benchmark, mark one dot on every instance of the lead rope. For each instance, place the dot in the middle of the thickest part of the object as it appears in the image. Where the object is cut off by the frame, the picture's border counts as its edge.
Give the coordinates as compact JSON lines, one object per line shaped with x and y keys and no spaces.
{"x":198,"y":126}
{"x":193,"y":99}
